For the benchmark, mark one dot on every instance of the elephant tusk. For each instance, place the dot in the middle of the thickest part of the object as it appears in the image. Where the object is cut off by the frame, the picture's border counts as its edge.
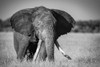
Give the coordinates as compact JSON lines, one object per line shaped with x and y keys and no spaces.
{"x":37,"y":50}
{"x":61,"y":50}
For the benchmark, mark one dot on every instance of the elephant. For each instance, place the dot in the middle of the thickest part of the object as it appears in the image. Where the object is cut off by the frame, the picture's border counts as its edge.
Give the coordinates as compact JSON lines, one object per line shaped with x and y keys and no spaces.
{"x":41,"y":27}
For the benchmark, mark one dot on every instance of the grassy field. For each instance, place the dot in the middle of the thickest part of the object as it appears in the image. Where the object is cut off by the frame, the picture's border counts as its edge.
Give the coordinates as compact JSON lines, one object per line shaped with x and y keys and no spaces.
{"x":84,"y":50}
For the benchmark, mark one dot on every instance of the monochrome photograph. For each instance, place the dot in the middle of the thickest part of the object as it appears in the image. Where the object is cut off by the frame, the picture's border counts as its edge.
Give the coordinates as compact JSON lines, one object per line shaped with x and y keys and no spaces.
{"x":49,"y":33}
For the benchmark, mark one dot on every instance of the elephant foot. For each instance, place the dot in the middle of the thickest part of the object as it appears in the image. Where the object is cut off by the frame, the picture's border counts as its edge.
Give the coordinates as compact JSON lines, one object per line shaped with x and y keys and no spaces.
{"x":51,"y":59}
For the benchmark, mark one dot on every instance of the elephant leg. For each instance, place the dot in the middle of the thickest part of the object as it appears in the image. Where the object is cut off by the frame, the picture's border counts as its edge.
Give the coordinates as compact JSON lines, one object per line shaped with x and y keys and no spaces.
{"x":42,"y":54}
{"x":22,"y":49}
{"x":16,"y":42}
{"x":61,"y":50}
{"x":23,"y":43}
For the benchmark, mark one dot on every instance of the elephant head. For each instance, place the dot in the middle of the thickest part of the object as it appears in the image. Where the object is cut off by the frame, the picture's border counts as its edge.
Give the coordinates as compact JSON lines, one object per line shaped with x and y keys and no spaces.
{"x":42,"y":26}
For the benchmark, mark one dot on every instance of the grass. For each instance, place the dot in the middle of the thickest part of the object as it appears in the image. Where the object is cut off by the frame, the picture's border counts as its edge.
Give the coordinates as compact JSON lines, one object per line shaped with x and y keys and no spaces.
{"x":84,"y":50}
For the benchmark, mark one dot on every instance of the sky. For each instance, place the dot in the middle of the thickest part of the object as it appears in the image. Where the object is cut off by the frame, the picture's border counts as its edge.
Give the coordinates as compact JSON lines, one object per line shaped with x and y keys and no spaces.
{"x":78,"y":9}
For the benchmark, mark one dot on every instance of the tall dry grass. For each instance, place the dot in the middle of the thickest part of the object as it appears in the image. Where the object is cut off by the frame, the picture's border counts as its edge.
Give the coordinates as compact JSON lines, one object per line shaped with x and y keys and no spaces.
{"x":83,"y":48}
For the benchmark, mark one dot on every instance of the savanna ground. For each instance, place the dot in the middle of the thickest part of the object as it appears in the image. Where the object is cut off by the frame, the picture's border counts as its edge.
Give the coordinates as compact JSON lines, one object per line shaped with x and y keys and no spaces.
{"x":83,"y":48}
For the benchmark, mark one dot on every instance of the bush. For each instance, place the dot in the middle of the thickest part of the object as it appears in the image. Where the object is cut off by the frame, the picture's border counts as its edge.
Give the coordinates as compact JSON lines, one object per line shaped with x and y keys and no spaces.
{"x":92,"y":26}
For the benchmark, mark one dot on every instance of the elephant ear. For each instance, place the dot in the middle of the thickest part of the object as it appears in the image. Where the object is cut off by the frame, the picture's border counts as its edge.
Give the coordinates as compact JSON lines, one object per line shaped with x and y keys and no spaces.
{"x":64,"y":22}
{"x":21,"y":22}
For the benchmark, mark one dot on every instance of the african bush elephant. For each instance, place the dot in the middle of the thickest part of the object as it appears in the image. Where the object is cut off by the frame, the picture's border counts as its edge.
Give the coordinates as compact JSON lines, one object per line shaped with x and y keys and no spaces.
{"x":42,"y":26}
